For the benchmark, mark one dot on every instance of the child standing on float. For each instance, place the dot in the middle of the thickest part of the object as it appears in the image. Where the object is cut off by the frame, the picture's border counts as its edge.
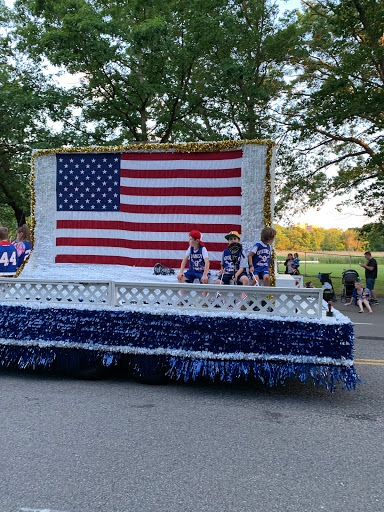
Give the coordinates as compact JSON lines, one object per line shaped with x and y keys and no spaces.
{"x":259,"y":258}
{"x":197,"y":255}
{"x":23,"y":243}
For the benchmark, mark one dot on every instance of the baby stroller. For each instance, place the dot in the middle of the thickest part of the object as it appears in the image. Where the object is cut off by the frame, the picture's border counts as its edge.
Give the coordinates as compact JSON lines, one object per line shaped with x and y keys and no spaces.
{"x":349,"y":278}
{"x":328,"y":290}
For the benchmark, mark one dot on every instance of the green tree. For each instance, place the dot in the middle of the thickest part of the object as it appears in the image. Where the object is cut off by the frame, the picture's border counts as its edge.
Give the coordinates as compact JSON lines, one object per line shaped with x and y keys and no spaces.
{"x":26,"y":98}
{"x":283,"y":242}
{"x":141,"y":64}
{"x":333,"y":240}
{"x":334,"y":111}
{"x":145,"y":70}
{"x":164,"y":70}
{"x":372,"y":236}
{"x":295,"y":235}
{"x":317,"y":238}
{"x":306,"y":241}
{"x":249,"y":69}
{"x":351,"y":240}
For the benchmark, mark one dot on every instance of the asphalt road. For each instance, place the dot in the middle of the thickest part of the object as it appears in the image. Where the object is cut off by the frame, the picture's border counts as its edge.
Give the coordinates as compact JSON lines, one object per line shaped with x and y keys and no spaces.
{"x":118,"y":446}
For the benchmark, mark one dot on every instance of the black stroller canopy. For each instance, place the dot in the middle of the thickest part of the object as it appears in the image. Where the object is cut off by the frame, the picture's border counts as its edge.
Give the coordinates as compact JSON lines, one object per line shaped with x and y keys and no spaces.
{"x":349,"y":276}
{"x":324,"y":278}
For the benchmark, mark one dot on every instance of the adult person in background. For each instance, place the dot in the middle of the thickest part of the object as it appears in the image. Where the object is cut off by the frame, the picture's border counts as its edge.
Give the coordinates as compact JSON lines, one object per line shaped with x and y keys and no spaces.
{"x":370,"y":275}
{"x":23,"y":243}
{"x":8,"y":254}
{"x":354,"y":294}
{"x":288,"y":263}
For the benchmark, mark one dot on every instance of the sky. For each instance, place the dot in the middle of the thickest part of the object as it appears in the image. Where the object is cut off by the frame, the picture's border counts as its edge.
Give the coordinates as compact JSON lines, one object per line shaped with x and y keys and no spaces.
{"x":327,"y":217}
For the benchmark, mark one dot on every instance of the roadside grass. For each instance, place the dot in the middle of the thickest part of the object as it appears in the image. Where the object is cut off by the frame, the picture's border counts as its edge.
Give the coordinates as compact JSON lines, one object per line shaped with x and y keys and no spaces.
{"x":348,"y":259}
{"x":310,"y":270}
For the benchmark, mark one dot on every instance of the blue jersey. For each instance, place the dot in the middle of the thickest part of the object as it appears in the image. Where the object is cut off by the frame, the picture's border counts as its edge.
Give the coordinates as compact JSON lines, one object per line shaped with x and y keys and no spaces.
{"x":196,"y":258}
{"x":296,"y":262}
{"x":23,"y":251}
{"x":8,"y":257}
{"x":227,"y":262}
{"x":365,"y":294}
{"x":261,"y":260}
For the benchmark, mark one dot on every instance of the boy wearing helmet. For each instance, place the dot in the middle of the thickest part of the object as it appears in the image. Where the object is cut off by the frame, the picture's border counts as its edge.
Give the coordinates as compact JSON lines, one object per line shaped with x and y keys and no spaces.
{"x":233,"y":262}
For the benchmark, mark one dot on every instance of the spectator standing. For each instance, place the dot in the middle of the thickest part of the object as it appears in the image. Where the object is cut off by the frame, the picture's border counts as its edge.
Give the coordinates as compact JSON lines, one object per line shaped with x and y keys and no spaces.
{"x":288,"y":263}
{"x":370,"y":275}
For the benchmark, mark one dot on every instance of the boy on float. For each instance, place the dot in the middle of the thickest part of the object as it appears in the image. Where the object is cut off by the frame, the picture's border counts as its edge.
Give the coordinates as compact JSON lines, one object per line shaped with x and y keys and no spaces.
{"x":8,"y":254}
{"x":197,"y":255}
{"x":233,"y":273}
{"x":259,"y":259}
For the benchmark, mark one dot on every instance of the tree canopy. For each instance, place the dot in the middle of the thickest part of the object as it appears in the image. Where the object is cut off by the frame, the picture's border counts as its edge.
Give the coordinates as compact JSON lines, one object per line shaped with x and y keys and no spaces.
{"x":146,"y":70}
{"x":164,"y":70}
{"x":295,"y":238}
{"x":21,"y":108}
{"x":334,"y":110}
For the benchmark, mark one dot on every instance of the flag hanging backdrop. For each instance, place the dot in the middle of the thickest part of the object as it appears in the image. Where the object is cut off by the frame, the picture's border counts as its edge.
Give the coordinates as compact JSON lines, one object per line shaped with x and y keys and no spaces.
{"x":138,"y":208}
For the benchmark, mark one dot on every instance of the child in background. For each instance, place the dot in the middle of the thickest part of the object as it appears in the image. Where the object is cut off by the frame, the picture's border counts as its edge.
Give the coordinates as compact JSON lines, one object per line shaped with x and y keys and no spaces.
{"x":197,"y":255}
{"x":233,"y":273}
{"x":295,"y":264}
{"x":259,"y":258}
{"x":8,"y":254}
{"x":22,"y":243}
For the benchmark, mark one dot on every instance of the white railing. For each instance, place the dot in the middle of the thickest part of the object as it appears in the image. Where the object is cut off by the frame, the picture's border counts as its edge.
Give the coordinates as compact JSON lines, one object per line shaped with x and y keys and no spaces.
{"x":304,"y":302}
{"x":289,"y":281}
{"x":55,"y":291}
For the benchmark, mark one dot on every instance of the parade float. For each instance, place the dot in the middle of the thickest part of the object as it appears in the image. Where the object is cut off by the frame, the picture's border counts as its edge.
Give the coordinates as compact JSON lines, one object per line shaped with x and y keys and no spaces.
{"x":88,"y":297}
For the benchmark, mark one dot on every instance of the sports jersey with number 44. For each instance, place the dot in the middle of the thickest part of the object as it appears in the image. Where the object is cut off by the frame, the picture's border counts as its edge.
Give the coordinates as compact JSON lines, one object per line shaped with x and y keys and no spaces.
{"x":8,"y":257}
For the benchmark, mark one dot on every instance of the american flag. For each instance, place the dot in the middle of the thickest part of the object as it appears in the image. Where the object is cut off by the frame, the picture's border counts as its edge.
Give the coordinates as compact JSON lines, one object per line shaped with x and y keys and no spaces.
{"x":138,"y":208}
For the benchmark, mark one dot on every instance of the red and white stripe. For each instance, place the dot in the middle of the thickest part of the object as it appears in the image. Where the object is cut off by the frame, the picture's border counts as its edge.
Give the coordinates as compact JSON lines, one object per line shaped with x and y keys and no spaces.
{"x":163,"y":197}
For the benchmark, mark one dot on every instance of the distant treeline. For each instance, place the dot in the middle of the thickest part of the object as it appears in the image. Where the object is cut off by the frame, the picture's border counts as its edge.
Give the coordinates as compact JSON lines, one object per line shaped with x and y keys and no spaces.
{"x":369,"y":237}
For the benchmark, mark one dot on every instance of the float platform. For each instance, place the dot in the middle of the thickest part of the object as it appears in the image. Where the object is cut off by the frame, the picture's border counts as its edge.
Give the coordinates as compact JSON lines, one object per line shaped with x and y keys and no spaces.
{"x":183,"y":331}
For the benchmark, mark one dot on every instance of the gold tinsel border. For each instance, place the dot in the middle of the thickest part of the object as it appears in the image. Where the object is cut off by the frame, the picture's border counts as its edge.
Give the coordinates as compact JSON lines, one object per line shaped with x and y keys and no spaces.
{"x":182,"y":147}
{"x":185,"y":147}
{"x":268,"y":220}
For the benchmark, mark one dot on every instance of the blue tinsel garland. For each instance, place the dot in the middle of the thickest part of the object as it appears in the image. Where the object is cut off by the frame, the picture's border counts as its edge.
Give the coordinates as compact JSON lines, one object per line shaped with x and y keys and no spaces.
{"x":301,"y":349}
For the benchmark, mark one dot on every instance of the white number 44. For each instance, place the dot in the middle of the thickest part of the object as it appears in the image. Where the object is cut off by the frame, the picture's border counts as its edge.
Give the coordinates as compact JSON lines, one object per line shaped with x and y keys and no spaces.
{"x":4,"y":260}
